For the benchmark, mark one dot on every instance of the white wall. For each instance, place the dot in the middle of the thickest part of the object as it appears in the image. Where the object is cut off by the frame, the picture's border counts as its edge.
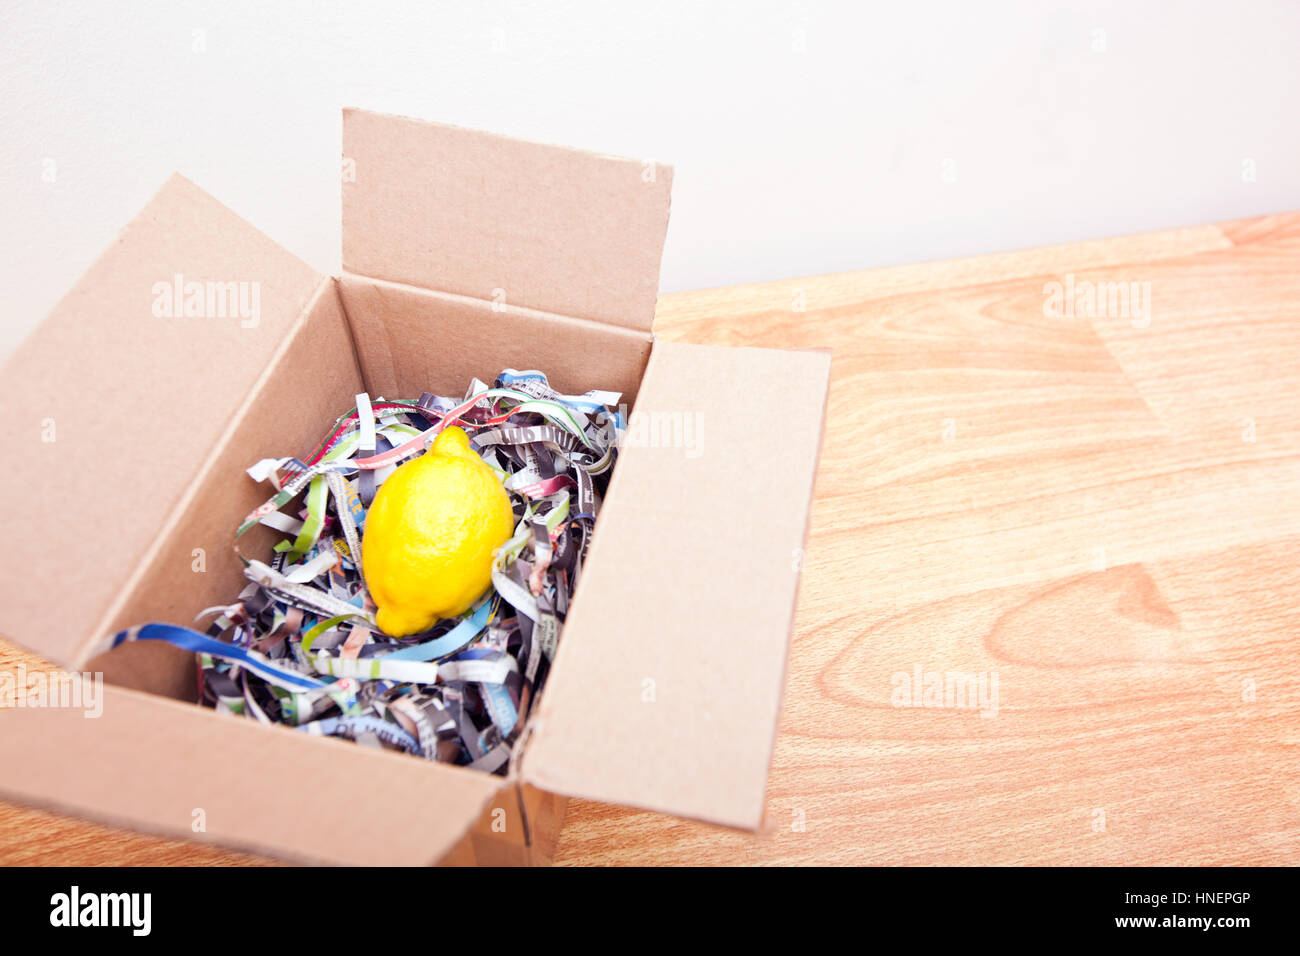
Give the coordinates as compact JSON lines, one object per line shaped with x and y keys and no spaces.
{"x":808,"y":137}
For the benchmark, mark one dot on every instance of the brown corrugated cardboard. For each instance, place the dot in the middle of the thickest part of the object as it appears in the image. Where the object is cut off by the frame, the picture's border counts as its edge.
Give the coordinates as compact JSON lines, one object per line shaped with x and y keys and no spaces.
{"x":191,"y":565}
{"x":689,"y":586}
{"x":110,"y":409}
{"x":668,"y":682}
{"x":410,"y":340}
{"x":499,"y":219}
{"x":150,"y":763}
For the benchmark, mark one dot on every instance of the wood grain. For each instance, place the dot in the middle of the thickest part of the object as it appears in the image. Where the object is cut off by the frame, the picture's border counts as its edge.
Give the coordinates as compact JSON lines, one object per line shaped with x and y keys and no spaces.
{"x":1100,"y":512}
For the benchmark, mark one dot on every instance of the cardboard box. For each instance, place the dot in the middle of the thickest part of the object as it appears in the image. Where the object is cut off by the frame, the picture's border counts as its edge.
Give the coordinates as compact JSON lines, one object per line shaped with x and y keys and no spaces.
{"x":129,"y":422}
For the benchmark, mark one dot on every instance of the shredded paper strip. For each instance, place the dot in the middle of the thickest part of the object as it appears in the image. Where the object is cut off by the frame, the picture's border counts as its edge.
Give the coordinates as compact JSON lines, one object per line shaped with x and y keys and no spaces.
{"x":300,"y":646}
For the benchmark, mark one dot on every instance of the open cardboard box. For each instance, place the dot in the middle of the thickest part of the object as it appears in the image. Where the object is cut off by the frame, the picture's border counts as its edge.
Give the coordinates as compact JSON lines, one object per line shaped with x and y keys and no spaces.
{"x":463,"y":253}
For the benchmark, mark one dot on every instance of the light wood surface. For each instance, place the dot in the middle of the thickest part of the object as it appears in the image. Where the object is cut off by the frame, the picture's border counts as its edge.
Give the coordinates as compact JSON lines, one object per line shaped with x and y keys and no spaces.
{"x":1102,"y":513}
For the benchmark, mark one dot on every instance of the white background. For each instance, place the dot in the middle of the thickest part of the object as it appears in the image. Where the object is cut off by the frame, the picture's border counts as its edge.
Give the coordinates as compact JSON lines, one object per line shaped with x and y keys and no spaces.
{"x":808,"y":137}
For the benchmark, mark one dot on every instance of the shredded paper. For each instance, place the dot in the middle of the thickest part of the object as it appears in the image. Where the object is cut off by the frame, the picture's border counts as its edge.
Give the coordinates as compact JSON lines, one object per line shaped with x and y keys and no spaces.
{"x":300,"y":646}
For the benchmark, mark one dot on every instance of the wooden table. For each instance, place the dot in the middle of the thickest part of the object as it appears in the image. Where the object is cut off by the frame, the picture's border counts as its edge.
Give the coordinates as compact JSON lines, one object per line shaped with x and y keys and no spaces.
{"x":1100,"y":511}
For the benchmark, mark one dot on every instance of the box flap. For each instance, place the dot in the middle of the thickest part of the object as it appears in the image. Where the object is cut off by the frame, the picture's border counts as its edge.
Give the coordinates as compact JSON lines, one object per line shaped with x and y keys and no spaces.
{"x":501,"y":219}
{"x":667,"y":684}
{"x":162,"y":766}
{"x":110,"y":407}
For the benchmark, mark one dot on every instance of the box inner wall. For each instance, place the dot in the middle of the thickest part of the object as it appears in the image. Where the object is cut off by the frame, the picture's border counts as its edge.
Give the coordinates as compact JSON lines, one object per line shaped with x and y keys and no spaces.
{"x":359,"y":334}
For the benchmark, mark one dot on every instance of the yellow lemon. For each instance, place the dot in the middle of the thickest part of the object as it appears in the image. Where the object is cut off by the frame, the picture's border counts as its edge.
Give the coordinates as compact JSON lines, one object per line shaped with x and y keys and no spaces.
{"x":430,"y":534}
